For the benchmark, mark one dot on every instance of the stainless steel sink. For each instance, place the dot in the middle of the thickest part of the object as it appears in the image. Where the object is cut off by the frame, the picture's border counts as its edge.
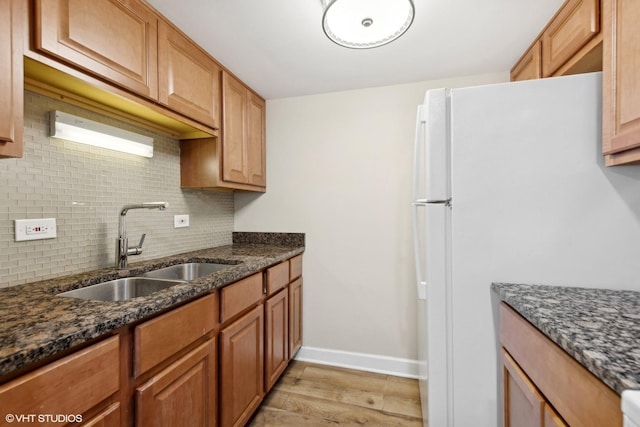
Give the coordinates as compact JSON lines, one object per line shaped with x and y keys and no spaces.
{"x":188,"y":271}
{"x":121,"y":289}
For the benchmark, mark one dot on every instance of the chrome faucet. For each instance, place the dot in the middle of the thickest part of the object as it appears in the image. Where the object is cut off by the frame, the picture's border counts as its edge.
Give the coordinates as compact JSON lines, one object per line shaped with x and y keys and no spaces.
{"x":122,"y":243}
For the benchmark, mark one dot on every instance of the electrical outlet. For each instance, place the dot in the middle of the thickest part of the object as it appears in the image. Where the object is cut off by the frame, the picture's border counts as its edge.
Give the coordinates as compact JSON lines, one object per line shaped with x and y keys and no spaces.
{"x":180,"y":221}
{"x":35,"y":229}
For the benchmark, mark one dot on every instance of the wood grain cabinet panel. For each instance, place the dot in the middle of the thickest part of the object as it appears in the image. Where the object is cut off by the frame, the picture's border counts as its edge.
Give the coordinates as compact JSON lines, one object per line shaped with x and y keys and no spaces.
{"x":577,"y":22}
{"x":189,"y":79}
{"x":277,"y":277}
{"x":295,"y":316}
{"x":109,"y":417}
{"x":523,"y":403}
{"x":241,"y":368}
{"x":112,"y":39}
{"x":183,"y":394}
{"x":530,"y":64}
{"x":256,"y":140}
{"x":239,"y":296}
{"x":557,"y":376}
{"x":276,"y":324}
{"x":295,"y":270}
{"x":621,"y":76}
{"x":243,"y":135}
{"x":71,"y":385}
{"x":165,"y":335}
{"x":11,"y":78}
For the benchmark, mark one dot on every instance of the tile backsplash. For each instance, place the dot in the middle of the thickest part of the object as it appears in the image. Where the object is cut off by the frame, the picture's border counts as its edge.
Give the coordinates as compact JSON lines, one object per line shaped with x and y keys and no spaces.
{"x":84,"y":188}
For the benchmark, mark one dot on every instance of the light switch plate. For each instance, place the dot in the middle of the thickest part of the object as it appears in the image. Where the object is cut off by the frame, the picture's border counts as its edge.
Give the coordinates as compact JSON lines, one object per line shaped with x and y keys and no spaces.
{"x":35,"y":229}
{"x":180,"y":221}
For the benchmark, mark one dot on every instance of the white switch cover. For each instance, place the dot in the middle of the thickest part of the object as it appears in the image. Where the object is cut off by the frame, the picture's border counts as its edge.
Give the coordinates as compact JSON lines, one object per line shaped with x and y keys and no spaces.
{"x":35,"y":229}
{"x":180,"y":221}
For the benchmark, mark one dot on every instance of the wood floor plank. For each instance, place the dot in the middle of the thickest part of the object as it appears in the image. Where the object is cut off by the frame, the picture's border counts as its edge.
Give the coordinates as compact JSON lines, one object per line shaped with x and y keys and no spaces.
{"x":317,"y":395}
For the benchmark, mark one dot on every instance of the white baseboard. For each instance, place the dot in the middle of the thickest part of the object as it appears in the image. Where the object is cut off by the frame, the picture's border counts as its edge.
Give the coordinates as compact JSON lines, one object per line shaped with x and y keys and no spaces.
{"x":361,"y":361}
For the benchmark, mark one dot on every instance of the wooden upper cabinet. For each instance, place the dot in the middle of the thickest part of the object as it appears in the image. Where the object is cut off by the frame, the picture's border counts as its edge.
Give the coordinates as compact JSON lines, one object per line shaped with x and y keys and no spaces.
{"x":256,"y":140}
{"x":111,"y":39}
{"x":530,"y":64}
{"x":189,"y":79}
{"x":577,"y":22}
{"x":243,"y":135}
{"x":11,"y":78}
{"x":621,"y":77}
{"x":234,"y":101}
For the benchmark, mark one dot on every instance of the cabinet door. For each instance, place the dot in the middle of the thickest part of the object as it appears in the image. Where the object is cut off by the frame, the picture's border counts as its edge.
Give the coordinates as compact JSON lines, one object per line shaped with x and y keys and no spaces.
{"x":184,"y":394}
{"x":72,"y":385}
{"x":276,"y":324}
{"x":573,"y":26}
{"x":112,"y":39}
{"x":11,"y":78}
{"x":109,"y":417}
{"x":621,"y":78}
{"x":234,"y":146}
{"x":256,"y":148}
{"x":241,"y":368}
{"x":530,"y":65}
{"x":295,"y":316}
{"x":523,"y":404}
{"x":189,"y":79}
{"x":551,"y":418}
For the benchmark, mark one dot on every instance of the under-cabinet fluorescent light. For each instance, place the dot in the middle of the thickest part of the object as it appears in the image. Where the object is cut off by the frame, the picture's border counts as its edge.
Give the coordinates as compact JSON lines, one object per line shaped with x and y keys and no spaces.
{"x":77,"y":129}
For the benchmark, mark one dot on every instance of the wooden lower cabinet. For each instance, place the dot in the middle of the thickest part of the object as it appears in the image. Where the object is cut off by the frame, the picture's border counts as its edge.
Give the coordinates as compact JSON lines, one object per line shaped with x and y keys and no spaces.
{"x":241,"y":368}
{"x":295,"y":316}
{"x":544,"y":386}
{"x":74,"y":385}
{"x":109,"y":417}
{"x":524,"y":405}
{"x":276,"y":330}
{"x":183,"y":394}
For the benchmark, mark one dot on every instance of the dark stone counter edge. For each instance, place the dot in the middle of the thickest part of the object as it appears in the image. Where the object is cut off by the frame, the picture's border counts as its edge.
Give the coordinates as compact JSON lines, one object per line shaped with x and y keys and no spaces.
{"x":115,"y":315}
{"x":605,"y":375}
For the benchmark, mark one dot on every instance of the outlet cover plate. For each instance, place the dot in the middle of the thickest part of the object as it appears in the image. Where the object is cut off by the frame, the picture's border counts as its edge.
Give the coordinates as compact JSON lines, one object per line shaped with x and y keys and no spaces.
{"x":35,"y":229}
{"x":180,"y":221}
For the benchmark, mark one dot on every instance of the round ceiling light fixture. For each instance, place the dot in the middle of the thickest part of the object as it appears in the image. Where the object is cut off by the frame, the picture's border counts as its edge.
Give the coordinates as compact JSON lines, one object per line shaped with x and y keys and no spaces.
{"x":363,"y":24}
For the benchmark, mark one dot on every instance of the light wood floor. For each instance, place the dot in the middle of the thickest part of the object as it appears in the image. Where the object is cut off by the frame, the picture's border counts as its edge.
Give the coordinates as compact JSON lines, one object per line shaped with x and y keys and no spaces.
{"x":317,"y":395}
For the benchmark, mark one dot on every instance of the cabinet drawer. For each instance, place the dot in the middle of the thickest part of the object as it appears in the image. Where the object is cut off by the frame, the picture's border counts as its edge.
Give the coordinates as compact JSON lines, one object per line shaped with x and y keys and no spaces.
{"x":574,"y":25}
{"x":164,"y":336}
{"x":241,"y":295}
{"x":295,"y":269}
{"x":277,"y":277}
{"x":71,"y":385}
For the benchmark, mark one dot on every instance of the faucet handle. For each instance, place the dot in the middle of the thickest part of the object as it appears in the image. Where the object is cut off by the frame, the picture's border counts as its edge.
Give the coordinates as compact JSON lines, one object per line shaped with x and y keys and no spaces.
{"x":142,"y":240}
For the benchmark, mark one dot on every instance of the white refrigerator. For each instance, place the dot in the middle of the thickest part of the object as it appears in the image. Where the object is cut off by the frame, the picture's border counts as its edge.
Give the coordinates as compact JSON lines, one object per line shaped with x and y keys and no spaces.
{"x":509,"y":186}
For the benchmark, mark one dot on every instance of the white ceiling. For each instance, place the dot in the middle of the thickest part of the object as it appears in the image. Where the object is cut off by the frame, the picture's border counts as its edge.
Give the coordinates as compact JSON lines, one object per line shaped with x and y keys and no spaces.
{"x":279,"y":49}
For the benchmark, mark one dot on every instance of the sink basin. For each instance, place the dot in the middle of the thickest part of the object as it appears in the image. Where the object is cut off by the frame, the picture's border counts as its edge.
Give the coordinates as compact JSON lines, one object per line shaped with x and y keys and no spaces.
{"x":188,"y":271}
{"x":121,"y":289}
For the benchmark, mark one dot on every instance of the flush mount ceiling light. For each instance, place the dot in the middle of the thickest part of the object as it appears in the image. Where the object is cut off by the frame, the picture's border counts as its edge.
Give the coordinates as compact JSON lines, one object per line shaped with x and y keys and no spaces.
{"x":77,"y":129}
{"x":363,"y":24}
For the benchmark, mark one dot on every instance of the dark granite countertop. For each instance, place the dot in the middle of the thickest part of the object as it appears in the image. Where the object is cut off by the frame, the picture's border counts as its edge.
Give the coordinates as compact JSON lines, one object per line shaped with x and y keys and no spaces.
{"x":36,"y":324}
{"x":600,"y":328}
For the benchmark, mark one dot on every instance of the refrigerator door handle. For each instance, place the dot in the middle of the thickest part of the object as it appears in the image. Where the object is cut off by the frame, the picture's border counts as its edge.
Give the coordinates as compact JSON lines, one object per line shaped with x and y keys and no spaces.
{"x":421,"y":283}
{"x":418,"y":163}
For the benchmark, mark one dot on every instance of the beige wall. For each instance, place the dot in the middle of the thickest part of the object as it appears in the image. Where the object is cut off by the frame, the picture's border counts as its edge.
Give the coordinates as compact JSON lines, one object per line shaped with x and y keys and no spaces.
{"x":84,"y":188}
{"x":339,"y":169}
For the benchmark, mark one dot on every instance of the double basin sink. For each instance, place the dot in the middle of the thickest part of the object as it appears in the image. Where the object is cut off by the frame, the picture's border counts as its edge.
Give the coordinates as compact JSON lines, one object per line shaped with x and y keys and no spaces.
{"x":145,"y":284}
